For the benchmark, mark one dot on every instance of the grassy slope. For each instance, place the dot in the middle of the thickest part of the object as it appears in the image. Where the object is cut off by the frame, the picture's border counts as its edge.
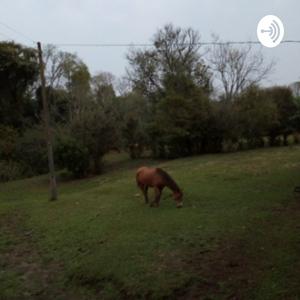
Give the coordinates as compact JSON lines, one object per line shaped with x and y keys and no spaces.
{"x":237,"y":237}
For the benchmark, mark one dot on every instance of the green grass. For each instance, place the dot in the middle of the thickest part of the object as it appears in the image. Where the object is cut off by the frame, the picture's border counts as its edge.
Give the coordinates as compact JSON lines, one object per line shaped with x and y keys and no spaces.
{"x":237,"y":237}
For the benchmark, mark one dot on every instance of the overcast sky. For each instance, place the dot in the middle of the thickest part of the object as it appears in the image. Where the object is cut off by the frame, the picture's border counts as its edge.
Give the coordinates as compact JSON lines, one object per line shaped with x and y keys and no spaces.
{"x":135,"y":21}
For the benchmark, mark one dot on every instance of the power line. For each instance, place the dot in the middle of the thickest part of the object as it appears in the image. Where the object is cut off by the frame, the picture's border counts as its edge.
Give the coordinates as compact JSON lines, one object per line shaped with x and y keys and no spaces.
{"x":151,"y":44}
{"x":137,"y":44}
{"x":18,"y":32}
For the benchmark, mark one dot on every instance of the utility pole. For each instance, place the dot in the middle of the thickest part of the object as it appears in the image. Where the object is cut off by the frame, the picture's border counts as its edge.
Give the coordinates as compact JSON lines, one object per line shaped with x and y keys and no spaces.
{"x":53,"y":187}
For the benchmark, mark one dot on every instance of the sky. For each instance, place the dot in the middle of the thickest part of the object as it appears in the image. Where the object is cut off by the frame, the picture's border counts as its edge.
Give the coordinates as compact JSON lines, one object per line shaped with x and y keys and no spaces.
{"x":136,"y":21}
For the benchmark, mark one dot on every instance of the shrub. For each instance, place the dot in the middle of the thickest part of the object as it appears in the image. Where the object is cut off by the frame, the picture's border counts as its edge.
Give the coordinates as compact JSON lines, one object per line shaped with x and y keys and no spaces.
{"x":10,"y":170}
{"x":31,"y":151}
{"x":72,"y":155}
{"x":98,"y":131}
{"x":8,"y":140}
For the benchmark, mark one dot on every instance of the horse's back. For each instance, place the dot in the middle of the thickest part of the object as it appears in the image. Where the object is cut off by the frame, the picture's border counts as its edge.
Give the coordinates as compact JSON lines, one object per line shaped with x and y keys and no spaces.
{"x":146,"y":175}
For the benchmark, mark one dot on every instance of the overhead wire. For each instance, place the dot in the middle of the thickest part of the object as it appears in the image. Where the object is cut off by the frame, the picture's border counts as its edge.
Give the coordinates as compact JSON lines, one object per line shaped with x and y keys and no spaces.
{"x":151,"y":44}
{"x":17,"y":32}
{"x":134,"y":44}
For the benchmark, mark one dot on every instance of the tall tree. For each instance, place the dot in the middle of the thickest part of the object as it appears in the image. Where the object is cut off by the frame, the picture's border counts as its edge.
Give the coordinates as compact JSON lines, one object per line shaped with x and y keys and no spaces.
{"x":235,"y":69}
{"x":174,"y":77}
{"x":102,"y":85}
{"x":287,"y":108}
{"x":77,"y":83}
{"x":258,"y":114}
{"x":175,"y":54}
{"x":18,"y":72}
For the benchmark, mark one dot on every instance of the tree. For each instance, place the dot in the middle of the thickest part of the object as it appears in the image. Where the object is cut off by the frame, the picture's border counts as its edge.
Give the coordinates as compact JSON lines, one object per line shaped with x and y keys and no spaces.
{"x":133,"y":108}
{"x":55,"y":64}
{"x":223,"y":125}
{"x":175,"y":81}
{"x":286,"y":107}
{"x":59,"y":102}
{"x":102,"y":86}
{"x":78,"y":86}
{"x":258,"y":114}
{"x":18,"y":72}
{"x":175,"y":54}
{"x":295,"y":87}
{"x":72,"y":155}
{"x":98,"y":131}
{"x":236,"y":69}
{"x":295,"y":119}
{"x":181,"y":121}
{"x":68,"y":83}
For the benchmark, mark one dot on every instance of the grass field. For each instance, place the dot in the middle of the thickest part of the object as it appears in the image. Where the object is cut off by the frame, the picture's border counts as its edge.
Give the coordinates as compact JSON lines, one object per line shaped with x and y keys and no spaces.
{"x":237,"y":236}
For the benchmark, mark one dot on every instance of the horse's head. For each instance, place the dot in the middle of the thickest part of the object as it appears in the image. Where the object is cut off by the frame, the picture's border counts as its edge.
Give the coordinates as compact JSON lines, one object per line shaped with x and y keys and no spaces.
{"x":178,"y":198}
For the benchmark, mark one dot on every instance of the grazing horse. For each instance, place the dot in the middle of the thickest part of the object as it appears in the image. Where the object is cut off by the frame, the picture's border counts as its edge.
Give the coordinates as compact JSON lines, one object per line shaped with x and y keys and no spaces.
{"x":158,"y":179}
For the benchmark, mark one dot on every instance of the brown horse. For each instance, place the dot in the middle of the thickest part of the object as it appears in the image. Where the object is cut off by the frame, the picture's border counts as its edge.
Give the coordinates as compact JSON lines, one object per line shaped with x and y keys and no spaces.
{"x":158,"y":179}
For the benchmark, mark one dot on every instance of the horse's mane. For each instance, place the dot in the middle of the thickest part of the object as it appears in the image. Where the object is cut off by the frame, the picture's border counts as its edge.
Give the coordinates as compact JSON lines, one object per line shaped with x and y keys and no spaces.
{"x":170,"y":181}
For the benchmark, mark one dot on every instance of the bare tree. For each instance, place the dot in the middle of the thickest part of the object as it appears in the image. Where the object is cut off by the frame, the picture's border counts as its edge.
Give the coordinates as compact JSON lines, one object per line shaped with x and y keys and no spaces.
{"x":235,"y":69}
{"x":54,"y":65}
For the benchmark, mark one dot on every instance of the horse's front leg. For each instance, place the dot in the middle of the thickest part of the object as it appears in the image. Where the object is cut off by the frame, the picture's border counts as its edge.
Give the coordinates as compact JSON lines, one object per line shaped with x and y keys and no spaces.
{"x":157,"y":197}
{"x":144,"y":189}
{"x":145,"y":192}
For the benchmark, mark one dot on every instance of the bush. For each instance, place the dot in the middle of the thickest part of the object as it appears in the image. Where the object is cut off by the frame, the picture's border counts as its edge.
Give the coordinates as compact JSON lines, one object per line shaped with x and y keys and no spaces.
{"x":296,"y":138}
{"x":8,"y":140}
{"x":98,"y":131}
{"x":73,"y":156}
{"x":31,"y":151}
{"x":10,"y":170}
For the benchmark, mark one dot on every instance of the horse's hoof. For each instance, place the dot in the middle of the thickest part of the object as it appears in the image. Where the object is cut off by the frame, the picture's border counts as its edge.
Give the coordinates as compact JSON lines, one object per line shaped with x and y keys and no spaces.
{"x":179,"y":205}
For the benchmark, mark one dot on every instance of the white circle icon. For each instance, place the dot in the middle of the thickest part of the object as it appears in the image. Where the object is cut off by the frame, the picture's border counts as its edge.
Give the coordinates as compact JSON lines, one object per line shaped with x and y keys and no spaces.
{"x":270,"y":31}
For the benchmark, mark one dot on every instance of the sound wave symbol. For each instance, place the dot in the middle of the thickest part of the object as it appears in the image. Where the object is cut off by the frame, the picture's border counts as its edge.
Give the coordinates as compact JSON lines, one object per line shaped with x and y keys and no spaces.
{"x":274,"y":31}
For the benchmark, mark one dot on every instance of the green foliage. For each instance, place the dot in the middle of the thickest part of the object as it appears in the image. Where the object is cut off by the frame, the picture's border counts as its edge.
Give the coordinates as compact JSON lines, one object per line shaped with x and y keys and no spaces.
{"x":18,"y":72}
{"x":174,"y":60}
{"x":175,"y":80}
{"x":295,"y":117}
{"x":10,"y":170}
{"x":286,"y":106}
{"x":134,"y":113}
{"x":59,"y":104}
{"x":8,"y":141}
{"x":167,"y":105}
{"x":258,"y":114}
{"x":70,"y":154}
{"x":180,"y":124}
{"x":31,"y":151}
{"x":223,"y":126}
{"x":23,"y":154}
{"x":98,"y":131}
{"x":102,"y":88}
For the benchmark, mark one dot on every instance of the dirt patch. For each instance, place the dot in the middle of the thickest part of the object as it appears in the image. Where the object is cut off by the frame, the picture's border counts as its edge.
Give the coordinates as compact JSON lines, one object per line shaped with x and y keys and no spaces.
{"x":224,"y":273}
{"x":235,"y":268}
{"x":34,"y":277}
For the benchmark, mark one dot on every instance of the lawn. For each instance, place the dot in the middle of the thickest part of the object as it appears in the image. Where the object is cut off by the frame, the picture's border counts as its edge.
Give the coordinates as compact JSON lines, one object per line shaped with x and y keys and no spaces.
{"x":237,"y":236}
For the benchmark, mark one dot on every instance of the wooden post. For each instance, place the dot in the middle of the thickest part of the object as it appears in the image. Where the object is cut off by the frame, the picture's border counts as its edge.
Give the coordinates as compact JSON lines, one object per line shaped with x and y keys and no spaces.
{"x":53,"y":187}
